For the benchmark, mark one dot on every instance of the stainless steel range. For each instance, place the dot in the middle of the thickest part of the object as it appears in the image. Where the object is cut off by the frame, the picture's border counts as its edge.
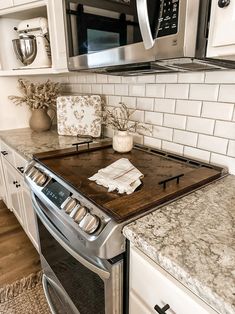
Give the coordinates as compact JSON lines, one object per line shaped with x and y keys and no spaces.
{"x":83,"y":251}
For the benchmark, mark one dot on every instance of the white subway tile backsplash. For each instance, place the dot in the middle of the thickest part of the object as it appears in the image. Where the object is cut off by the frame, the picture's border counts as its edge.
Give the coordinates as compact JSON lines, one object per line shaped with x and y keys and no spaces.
{"x":137,"y":90}
{"x":166,"y":78}
{"x":91,"y":78}
{"x":225,"y":161}
{"x":175,"y":91}
{"x":164,"y":105}
{"x":227,"y":93}
{"x":96,"y":89}
{"x":217,"y":110}
{"x":188,"y":107}
{"x":155,"y":90}
{"x":174,"y":121}
{"x":152,"y":142}
{"x":196,"y":153}
{"x":196,"y":77}
{"x":114,"y":101}
{"x":172,"y":147}
{"x":185,"y":138}
{"x":108,"y":89}
{"x":114,"y":79}
{"x":138,"y":115}
{"x":145,"y":103}
{"x":200,"y":125}
{"x":130,"y":102}
{"x":80,"y":78}
{"x":129,"y":79}
{"x":154,"y":118}
{"x":162,"y":133}
{"x":231,"y":148}
{"x":101,"y":78}
{"x":225,"y":129}
{"x":86,"y":88}
{"x":73,"y":78}
{"x":204,"y":92}
{"x":121,"y":89}
{"x":212,"y":144}
{"x":146,"y":79}
{"x":220,"y":77}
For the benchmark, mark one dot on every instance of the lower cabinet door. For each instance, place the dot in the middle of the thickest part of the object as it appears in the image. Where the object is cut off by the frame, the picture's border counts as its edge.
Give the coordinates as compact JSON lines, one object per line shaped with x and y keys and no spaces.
{"x":13,"y":182}
{"x":29,"y":216}
{"x":3,"y":192}
{"x":151,"y":286}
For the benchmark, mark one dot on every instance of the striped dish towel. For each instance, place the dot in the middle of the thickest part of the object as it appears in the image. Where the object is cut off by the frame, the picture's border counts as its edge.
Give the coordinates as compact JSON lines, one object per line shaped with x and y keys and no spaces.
{"x":120,"y":175}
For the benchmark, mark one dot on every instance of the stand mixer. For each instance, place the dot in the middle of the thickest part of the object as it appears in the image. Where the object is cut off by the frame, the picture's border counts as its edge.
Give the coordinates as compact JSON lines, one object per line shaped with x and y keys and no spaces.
{"x":33,"y":47}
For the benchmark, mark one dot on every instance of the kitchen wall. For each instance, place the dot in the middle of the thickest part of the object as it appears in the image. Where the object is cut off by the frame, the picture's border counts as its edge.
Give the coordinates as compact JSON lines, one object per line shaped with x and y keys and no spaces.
{"x":192,"y":114}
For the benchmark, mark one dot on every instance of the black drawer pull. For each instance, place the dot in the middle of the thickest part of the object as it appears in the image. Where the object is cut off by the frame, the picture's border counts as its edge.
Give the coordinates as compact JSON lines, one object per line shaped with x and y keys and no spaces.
{"x":4,"y":153}
{"x":162,"y":310}
{"x":21,"y":169}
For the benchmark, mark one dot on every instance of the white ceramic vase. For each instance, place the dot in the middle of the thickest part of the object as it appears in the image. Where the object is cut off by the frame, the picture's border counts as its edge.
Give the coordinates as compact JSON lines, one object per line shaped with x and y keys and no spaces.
{"x":122,"y":141}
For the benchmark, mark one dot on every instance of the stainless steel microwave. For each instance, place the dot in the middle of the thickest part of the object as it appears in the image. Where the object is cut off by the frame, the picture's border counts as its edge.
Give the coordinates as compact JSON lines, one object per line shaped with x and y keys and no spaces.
{"x":144,"y":36}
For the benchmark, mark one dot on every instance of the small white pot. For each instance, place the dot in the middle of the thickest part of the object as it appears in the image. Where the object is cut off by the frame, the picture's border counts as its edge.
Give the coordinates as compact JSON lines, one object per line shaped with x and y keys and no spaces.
{"x":122,"y":141}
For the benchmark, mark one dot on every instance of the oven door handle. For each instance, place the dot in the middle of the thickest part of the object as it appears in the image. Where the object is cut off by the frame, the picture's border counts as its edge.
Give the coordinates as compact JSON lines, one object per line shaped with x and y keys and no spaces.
{"x":102,"y":272}
{"x":45,"y":283}
{"x":48,"y":281}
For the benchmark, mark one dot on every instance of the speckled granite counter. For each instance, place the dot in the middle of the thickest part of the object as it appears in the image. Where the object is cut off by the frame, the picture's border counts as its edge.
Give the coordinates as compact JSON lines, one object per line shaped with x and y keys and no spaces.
{"x":194,"y":240}
{"x":28,"y":142}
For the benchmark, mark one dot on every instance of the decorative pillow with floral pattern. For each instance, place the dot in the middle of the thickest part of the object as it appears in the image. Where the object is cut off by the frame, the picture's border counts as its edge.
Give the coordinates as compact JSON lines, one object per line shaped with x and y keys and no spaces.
{"x":79,"y":115}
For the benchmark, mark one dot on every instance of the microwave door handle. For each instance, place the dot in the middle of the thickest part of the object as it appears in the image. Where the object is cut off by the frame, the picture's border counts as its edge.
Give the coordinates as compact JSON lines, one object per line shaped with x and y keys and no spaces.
{"x":142,"y":12}
{"x":45,"y":283}
{"x":98,"y":270}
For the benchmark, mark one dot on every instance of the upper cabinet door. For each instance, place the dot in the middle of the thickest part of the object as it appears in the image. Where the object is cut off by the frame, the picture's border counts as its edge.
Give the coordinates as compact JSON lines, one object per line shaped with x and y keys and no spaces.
{"x":4,"y":4}
{"x":221,"y":42}
{"x":18,"y":2}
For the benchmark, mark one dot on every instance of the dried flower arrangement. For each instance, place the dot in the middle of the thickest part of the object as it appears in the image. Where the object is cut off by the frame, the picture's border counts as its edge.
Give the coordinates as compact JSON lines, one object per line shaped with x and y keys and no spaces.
{"x":119,"y":119}
{"x":37,"y":95}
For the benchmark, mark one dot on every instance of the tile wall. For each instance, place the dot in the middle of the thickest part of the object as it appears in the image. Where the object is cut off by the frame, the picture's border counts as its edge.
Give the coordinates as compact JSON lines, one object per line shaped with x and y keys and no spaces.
{"x":191,"y":114}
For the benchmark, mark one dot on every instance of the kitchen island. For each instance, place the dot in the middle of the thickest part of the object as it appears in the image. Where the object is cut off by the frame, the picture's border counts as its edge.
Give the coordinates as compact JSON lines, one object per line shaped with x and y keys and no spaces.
{"x":193,"y":239}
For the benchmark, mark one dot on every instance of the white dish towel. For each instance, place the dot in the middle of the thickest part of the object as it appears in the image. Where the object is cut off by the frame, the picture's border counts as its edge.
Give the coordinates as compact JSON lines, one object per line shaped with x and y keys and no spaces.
{"x":120,"y":175}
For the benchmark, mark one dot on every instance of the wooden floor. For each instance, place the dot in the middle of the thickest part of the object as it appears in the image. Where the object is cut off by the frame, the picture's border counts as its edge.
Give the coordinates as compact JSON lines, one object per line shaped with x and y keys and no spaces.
{"x":18,"y":257}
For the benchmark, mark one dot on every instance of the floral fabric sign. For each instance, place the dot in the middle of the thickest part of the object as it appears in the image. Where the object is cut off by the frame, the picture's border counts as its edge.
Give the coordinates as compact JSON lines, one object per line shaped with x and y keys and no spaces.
{"x":79,"y":115}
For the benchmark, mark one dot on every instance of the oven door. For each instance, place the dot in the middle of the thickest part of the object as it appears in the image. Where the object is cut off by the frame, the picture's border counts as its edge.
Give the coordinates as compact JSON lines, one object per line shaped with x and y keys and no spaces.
{"x":75,"y":283}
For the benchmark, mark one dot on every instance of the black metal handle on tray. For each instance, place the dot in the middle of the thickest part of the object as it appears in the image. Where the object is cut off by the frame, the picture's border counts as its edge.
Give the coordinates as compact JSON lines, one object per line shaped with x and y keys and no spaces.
{"x":88,"y":141}
{"x":177,"y":178}
{"x":161,"y":310}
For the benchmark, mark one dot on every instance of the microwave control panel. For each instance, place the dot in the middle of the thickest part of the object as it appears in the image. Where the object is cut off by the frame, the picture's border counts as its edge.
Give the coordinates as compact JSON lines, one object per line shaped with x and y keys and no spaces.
{"x":169,"y":20}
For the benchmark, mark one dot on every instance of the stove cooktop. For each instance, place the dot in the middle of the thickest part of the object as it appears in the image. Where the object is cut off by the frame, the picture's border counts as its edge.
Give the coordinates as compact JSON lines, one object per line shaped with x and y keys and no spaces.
{"x":166,"y":177}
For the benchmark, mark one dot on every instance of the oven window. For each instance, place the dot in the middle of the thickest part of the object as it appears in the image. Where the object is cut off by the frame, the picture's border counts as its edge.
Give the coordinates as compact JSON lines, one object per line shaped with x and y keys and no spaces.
{"x":85,"y":288}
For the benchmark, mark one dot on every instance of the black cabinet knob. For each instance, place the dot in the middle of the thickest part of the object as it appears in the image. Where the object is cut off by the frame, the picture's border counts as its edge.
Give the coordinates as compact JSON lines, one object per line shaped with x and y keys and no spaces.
{"x":161,"y":310}
{"x":21,"y":169}
{"x":14,"y":182}
{"x":223,"y":3}
{"x":17,"y":186}
{"x":4,"y":153}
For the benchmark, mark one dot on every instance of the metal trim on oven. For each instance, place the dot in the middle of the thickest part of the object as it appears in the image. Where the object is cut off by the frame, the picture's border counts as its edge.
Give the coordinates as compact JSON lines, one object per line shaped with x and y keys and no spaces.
{"x":102,"y":272}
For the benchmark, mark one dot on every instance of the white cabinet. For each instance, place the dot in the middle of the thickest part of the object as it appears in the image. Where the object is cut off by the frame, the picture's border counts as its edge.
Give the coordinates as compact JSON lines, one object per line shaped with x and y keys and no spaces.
{"x":221,"y":41}
{"x":3,"y":192}
{"x":19,"y":2}
{"x":17,"y":195}
{"x":150,"y":285}
{"x":6,"y":4}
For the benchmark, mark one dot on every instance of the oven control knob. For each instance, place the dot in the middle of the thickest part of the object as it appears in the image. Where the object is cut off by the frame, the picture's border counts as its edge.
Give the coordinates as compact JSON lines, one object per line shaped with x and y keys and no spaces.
{"x":80,"y":214}
{"x":69,"y":205}
{"x":32,"y":172}
{"x":40,"y":178}
{"x":90,"y":223}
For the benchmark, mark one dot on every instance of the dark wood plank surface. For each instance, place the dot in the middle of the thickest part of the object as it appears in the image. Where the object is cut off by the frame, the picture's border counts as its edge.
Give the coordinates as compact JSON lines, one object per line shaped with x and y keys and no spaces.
{"x":77,"y":168}
{"x":18,"y":257}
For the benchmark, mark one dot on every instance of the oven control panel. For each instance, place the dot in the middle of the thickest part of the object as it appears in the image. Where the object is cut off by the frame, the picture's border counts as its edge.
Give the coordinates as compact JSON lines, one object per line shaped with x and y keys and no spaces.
{"x":60,"y":196}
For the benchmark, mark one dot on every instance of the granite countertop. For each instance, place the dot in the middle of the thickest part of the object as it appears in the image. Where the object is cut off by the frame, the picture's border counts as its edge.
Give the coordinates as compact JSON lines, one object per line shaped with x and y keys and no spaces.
{"x":193,"y":239}
{"x":28,"y":142}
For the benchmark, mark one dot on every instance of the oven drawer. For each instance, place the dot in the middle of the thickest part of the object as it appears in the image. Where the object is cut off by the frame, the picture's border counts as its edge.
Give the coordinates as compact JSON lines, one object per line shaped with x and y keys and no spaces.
{"x":150,"y":285}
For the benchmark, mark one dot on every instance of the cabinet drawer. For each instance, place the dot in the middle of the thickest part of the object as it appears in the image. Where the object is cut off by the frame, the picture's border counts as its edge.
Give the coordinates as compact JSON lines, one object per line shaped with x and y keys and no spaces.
{"x":20,"y":163}
{"x":152,"y":285}
{"x":7,"y":153}
{"x":6,"y":4}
